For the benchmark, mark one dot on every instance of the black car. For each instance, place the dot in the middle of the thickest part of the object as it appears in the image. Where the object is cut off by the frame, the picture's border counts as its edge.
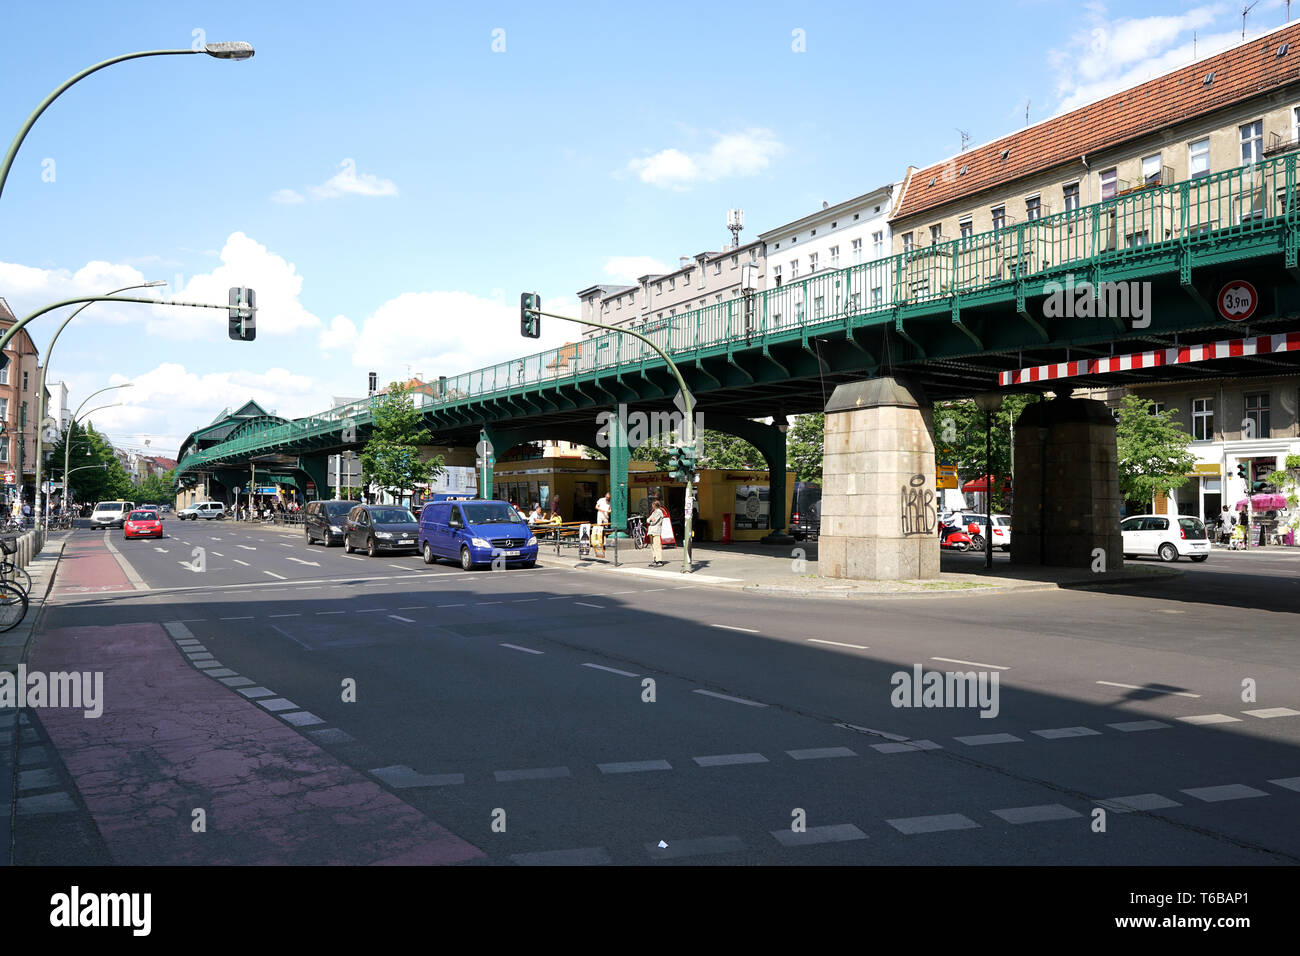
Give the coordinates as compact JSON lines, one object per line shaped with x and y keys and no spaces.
{"x":806,"y":511}
{"x":325,"y":520}
{"x":376,"y":528}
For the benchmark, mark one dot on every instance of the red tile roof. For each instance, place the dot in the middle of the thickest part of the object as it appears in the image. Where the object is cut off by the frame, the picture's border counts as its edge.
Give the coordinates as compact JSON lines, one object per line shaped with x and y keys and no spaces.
{"x":1245,"y":71}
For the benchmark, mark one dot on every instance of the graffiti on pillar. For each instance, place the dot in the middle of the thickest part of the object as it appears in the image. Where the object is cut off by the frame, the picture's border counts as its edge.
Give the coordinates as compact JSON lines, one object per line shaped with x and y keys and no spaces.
{"x":917,"y":511}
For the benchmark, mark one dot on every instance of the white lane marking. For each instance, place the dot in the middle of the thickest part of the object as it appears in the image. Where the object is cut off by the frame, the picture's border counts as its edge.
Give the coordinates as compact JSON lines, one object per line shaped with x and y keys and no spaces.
{"x":1152,"y":690}
{"x":730,"y":627}
{"x":877,"y":733}
{"x":314,"y":564}
{"x":397,"y":617}
{"x":822,"y":753}
{"x":623,"y":592}
{"x":526,"y":650}
{"x":353,"y":557}
{"x":734,"y":700}
{"x":598,"y":607}
{"x":933,"y":824}
{"x":296,"y":641}
{"x":278,"y":577}
{"x":179,"y":632}
{"x":817,"y":640}
{"x":403,"y":567}
{"x":244,"y":563}
{"x":314,"y":587}
{"x":906,"y":746}
{"x":137,"y":582}
{"x":283,"y":545}
{"x":1132,"y":726}
{"x":536,"y":773}
{"x":245,"y":547}
{"x":1036,"y":814}
{"x":1138,"y":801}
{"x":217,"y":553}
{"x":164,"y":551}
{"x":953,"y":660}
{"x":478,"y":603}
{"x":524,"y":600}
{"x":1210,"y":719}
{"x":413,"y":607}
{"x":727,"y":760}
{"x":186,"y":564}
{"x":1273,"y":712}
{"x":369,"y":610}
{"x":450,"y":605}
{"x":244,"y":618}
{"x":648,"y":590}
{"x":284,"y":615}
{"x":634,"y":766}
{"x":612,"y":670}
{"x":832,"y":833}
{"x":1059,"y":733}
{"x":981,"y":740}
{"x":1230,"y":791}
{"x":319,"y":613}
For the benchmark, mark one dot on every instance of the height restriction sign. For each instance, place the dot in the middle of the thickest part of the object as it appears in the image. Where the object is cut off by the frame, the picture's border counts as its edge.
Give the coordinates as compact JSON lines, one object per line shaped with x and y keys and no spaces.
{"x":1238,"y":301}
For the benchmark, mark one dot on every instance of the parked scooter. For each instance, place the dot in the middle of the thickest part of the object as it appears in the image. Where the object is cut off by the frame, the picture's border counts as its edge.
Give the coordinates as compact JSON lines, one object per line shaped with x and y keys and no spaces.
{"x":976,"y":538}
{"x":953,"y":538}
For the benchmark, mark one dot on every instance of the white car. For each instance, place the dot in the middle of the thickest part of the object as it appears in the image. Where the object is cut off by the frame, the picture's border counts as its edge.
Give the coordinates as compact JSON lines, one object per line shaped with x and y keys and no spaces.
{"x":1001,"y":527}
{"x":1168,"y":537}
{"x":207,"y":510}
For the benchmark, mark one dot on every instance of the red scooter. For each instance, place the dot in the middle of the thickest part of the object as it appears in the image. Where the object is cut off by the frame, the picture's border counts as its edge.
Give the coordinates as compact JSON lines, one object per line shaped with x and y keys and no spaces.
{"x":953,"y":538}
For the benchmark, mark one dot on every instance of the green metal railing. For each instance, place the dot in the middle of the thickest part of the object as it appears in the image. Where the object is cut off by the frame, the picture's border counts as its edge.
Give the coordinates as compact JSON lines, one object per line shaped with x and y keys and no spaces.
{"x":1145,"y":222}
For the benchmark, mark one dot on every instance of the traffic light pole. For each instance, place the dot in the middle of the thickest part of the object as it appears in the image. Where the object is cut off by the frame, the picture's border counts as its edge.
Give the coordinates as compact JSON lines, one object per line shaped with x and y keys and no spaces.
{"x":688,"y":426}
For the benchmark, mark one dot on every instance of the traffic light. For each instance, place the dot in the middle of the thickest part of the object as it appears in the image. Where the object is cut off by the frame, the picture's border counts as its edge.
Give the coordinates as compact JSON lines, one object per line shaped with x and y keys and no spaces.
{"x":1241,"y":470}
{"x":243,"y":314}
{"x":530,"y":323}
{"x":675,"y":464}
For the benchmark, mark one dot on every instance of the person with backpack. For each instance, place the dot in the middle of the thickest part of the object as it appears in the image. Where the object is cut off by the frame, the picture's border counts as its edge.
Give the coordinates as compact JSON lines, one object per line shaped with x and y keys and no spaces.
{"x":654,"y":526}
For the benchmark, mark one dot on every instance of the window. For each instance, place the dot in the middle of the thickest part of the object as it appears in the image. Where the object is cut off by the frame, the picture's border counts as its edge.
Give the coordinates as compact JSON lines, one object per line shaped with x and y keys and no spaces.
{"x":835,"y":257}
{"x":1156,"y":408}
{"x":1070,"y":193}
{"x":620,"y":304}
{"x":1109,"y":184}
{"x":717,"y":267}
{"x":734,"y":260}
{"x":876,"y":297}
{"x":1151,"y":170}
{"x":1257,"y":412}
{"x":857,"y":250}
{"x":1198,"y":158}
{"x":776,"y":274}
{"x":999,"y":217}
{"x":1033,"y":208}
{"x":4,"y":375}
{"x":794,"y":268}
{"x":877,"y":243}
{"x":1203,"y":419}
{"x":4,"y":449}
{"x":659,"y":287}
{"x":1252,"y":142}
{"x":907,"y":242}
{"x":1135,"y":239}
{"x":819,"y":304}
{"x":753,"y":254}
{"x":4,"y":409}
{"x":718,"y":297}
{"x":967,"y":228}
{"x":812,"y":263}
{"x":936,"y":234}
{"x":672,"y":284}
{"x":1295,"y":125}
{"x":24,"y":381}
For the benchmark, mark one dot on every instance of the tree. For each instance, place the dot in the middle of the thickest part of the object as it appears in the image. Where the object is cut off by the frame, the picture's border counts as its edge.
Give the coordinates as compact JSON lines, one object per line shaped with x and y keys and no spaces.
{"x":90,"y":448}
{"x":391,"y":458}
{"x":1153,"y":454}
{"x":154,"y":489}
{"x":805,"y":446}
{"x":959,"y":436}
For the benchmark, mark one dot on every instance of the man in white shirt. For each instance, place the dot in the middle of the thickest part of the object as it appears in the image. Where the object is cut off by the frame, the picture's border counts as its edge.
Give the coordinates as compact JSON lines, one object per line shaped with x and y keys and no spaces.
{"x":603,"y":510}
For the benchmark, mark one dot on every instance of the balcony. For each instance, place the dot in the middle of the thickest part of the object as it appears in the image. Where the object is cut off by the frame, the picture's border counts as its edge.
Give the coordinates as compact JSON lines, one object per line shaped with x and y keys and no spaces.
{"x":1279,"y":143}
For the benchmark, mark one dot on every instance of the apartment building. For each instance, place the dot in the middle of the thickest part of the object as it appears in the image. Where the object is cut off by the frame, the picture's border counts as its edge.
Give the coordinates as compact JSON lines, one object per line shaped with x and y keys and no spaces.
{"x":1221,"y":113}
{"x":20,"y":409}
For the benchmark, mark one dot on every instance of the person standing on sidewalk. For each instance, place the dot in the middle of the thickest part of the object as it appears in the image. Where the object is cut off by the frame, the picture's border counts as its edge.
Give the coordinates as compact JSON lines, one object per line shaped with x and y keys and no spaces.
{"x":654,"y":526}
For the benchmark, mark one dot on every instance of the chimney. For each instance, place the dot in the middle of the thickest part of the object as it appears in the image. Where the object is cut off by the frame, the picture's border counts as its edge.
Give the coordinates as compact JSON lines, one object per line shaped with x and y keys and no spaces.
{"x":683,"y":261}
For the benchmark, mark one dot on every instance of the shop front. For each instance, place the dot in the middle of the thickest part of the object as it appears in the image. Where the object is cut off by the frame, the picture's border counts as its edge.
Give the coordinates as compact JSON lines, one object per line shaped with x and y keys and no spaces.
{"x":740,"y":500}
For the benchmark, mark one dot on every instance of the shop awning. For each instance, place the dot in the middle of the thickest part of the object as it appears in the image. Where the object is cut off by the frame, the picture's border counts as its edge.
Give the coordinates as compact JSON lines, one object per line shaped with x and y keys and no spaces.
{"x":981,"y":484}
{"x":1263,"y":502}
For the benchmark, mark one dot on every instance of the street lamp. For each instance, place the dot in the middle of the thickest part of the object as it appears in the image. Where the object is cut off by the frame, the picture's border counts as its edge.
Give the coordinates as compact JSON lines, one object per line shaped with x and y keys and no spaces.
{"x":226,"y":50}
{"x":77,"y":416}
{"x":40,"y":394}
{"x":988,"y":403}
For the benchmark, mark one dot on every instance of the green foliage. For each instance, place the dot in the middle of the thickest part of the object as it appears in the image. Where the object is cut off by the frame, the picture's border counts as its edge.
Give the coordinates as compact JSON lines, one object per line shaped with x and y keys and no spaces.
{"x":1153,"y":450}
{"x":391,"y":458}
{"x":1292,"y":461}
{"x":805,"y":446}
{"x":959,"y":429}
{"x":90,"y":448}
{"x":727,"y":451}
{"x":156,"y":489}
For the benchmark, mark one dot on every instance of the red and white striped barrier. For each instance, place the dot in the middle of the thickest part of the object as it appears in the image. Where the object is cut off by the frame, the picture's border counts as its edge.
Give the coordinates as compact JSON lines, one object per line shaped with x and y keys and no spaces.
{"x":1228,"y":348}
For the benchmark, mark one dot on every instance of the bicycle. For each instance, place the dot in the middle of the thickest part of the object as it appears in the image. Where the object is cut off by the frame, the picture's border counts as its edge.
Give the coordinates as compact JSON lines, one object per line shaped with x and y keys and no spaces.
{"x":10,"y":571}
{"x":636,"y":531}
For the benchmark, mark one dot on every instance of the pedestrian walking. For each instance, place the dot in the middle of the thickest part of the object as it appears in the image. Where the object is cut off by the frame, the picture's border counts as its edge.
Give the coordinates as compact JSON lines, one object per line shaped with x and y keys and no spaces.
{"x":603,"y":510}
{"x":654,"y":526}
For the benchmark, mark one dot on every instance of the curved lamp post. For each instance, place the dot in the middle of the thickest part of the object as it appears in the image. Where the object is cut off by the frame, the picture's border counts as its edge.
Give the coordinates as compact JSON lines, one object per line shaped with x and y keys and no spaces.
{"x":40,"y":392}
{"x":77,"y":416}
{"x":236,"y":50}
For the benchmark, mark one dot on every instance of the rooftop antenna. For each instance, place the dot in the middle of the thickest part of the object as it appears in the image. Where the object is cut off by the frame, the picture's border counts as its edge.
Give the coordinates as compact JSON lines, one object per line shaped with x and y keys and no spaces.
{"x":965,"y":139}
{"x":1027,"y":102}
{"x":1244,"y":11}
{"x":735,"y":222}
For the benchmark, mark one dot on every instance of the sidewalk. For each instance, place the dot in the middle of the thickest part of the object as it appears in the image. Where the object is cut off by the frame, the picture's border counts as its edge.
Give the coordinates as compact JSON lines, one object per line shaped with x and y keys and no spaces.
{"x":791,"y":570}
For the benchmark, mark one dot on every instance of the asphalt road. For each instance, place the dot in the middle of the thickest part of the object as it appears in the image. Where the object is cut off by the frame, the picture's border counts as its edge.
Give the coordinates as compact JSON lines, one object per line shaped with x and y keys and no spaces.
{"x":561,"y":715}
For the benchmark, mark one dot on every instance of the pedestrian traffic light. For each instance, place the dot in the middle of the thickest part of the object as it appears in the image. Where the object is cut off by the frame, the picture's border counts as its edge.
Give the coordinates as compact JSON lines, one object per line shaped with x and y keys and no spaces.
{"x":243,"y":314}
{"x":530,"y":323}
{"x":1241,"y":470}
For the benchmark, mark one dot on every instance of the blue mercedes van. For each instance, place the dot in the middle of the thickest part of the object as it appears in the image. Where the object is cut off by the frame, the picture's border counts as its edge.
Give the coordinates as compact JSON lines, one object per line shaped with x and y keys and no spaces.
{"x":475,"y":532}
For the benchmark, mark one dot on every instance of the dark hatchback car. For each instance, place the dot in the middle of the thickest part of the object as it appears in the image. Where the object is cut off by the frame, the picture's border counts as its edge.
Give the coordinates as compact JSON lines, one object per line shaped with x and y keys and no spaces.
{"x":325,"y":520}
{"x":376,"y":528}
{"x":806,"y":511}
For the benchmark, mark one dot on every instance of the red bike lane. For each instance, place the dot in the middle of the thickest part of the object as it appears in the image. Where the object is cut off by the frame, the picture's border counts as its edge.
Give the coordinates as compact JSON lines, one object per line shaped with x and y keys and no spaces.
{"x":171,"y":741}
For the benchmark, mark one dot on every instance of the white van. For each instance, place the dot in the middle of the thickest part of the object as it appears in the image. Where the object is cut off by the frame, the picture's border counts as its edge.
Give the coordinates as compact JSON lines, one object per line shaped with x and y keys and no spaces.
{"x":110,"y":514}
{"x":207,"y":510}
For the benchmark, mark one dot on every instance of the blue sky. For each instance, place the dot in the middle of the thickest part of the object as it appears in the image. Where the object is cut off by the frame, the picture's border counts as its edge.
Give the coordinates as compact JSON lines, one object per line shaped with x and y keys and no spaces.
{"x":389,"y":182}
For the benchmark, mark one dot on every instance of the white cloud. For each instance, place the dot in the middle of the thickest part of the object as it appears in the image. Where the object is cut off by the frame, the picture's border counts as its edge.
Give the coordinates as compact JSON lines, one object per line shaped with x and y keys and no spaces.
{"x":630,"y":268}
{"x":341,"y":334}
{"x":1108,"y":54}
{"x":731,"y":154}
{"x":28,"y":288}
{"x":287,"y":196}
{"x":244,"y":262}
{"x":348,"y":182}
{"x":168,"y":402}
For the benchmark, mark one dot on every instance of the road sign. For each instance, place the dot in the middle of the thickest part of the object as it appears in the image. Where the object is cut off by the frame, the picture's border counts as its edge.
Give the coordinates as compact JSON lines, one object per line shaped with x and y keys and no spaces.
{"x":1238,"y":301}
{"x":10,"y":478}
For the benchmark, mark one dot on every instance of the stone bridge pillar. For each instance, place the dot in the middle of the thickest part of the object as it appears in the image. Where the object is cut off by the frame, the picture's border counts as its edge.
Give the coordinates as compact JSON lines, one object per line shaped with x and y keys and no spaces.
{"x":879,"y":508}
{"x":1066,"y":483}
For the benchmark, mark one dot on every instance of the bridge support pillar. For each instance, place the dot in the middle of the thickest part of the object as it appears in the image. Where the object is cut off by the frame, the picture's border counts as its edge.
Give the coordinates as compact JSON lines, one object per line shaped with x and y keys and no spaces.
{"x":774,"y":454}
{"x":316,"y":468}
{"x":619,"y":456}
{"x":878,"y":488}
{"x":1067,"y":501}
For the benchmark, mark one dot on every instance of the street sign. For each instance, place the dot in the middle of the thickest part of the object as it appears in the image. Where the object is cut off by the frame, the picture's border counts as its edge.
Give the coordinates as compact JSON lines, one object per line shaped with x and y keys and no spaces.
{"x":10,"y":478}
{"x":1237,"y":301}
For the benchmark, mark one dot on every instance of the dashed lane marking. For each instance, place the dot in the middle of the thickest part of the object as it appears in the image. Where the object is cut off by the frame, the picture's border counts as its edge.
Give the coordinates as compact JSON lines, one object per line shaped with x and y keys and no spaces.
{"x":1149,"y":689}
{"x":634,"y":766}
{"x":1037,"y":814}
{"x":832,"y":833}
{"x":935,"y":823}
{"x":1231,"y":791}
{"x":536,"y":773}
{"x":906,"y":746}
{"x":244,"y":563}
{"x":980,"y":740}
{"x":729,"y":760}
{"x":953,"y":660}
{"x":598,"y":607}
{"x":246,"y":547}
{"x":731,"y":627}
{"x":584,"y":856}
{"x":1210,"y":719}
{"x":821,"y":753}
{"x":1138,"y":801}
{"x":285,"y":615}
{"x":405,"y":620}
{"x":1132,"y":726}
{"x":727,"y":697}
{"x":244,"y":617}
{"x":612,"y":670}
{"x":818,"y":640}
{"x":1273,"y":712}
{"x":1059,"y":732}
{"x":278,"y":577}
{"x":526,"y":650}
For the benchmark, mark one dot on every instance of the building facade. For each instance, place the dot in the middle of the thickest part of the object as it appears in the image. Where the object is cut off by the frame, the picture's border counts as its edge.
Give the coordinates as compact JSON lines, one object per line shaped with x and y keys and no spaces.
{"x":20,"y":409}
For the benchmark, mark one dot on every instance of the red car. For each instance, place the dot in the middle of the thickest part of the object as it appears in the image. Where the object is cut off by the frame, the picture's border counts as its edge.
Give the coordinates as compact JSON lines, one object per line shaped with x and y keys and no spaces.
{"x":142,"y":524}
